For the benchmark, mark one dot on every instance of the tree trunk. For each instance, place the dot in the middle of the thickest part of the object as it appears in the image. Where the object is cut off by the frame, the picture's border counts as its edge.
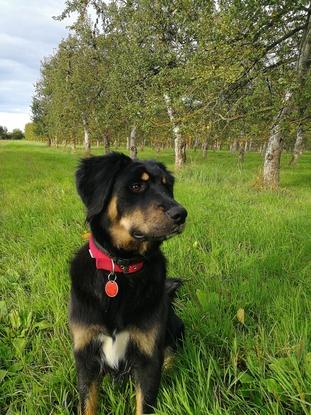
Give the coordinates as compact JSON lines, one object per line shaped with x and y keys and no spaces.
{"x":241,"y":154}
{"x":271,"y":168}
{"x":303,"y":69}
{"x":74,"y":147}
{"x":205,"y":148}
{"x":234,"y":146}
{"x":86,"y":141}
{"x":180,"y":145}
{"x":142,"y":146}
{"x":298,"y":148}
{"x":133,"y":147}
{"x":196,"y":144}
{"x":263,"y":149}
{"x":106,"y":142}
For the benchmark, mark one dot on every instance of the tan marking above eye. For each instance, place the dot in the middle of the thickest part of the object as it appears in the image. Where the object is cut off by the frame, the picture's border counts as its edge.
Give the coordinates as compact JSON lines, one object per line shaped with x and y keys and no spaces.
{"x":163,"y":180}
{"x":145,"y":176}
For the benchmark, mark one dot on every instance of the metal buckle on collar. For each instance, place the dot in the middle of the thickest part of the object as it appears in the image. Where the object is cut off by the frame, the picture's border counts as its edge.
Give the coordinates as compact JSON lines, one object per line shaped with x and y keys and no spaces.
{"x":124,"y":268}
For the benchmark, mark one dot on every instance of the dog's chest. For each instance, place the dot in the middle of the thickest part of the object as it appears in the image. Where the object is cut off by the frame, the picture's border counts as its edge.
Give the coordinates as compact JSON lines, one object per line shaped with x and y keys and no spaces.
{"x":114,"y":348}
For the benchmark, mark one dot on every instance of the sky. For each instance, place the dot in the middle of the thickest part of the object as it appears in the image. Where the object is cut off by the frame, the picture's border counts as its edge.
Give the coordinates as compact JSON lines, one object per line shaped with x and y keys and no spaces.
{"x":27,"y":34}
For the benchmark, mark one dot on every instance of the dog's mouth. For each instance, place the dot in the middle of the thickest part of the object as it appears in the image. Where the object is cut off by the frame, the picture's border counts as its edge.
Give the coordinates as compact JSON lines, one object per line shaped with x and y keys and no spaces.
{"x":141,"y":237}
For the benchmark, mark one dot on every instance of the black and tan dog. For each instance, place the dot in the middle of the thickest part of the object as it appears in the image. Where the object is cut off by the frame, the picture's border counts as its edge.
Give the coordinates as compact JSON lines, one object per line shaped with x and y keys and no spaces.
{"x":121,"y":313}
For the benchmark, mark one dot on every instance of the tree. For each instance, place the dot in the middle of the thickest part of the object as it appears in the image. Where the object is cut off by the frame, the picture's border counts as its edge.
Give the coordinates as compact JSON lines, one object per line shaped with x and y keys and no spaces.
{"x":304,"y":85}
{"x":210,"y":72}
{"x":275,"y":142}
{"x":16,"y":134}
{"x":3,"y":133}
{"x":32,"y":132}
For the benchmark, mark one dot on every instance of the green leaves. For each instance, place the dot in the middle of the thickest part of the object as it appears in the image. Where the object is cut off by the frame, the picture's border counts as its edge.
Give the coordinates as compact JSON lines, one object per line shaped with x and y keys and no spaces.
{"x":227,"y":56}
{"x":18,"y":328}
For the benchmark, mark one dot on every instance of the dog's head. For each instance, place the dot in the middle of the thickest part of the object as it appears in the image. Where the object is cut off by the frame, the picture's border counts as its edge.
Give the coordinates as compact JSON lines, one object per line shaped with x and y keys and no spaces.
{"x":130,"y":202}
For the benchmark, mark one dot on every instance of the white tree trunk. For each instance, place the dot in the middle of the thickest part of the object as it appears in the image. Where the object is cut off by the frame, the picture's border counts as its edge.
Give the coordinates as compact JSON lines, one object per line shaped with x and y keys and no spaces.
{"x":86,"y":141}
{"x":180,"y":146}
{"x":298,"y":147}
{"x":271,"y":168}
{"x":133,"y":147}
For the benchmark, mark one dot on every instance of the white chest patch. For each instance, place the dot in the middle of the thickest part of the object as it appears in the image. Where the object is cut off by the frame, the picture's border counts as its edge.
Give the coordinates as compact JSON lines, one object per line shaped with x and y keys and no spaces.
{"x":114,"y":348}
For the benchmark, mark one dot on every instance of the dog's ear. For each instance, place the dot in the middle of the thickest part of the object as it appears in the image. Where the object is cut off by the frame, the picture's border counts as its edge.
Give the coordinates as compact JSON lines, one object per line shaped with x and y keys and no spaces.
{"x":95,"y":177}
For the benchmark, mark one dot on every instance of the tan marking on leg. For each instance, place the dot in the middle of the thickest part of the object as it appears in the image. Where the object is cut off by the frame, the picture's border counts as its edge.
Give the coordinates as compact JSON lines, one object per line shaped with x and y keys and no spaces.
{"x":139,"y":401}
{"x":91,"y":402}
{"x":145,"y":340}
{"x":145,"y":176}
{"x":82,"y":334}
{"x":163,"y":180}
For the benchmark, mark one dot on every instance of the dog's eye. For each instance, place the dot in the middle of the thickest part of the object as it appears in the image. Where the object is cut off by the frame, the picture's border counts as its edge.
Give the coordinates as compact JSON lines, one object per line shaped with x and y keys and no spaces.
{"x":137,"y":187}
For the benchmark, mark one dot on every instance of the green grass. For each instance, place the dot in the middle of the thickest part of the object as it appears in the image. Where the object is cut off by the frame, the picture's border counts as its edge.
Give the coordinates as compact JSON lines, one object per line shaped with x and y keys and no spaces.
{"x":243,"y":248}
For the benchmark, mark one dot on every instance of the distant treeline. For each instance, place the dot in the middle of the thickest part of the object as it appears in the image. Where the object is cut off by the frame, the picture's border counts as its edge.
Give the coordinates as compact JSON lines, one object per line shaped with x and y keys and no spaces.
{"x":16,"y":134}
{"x":203,"y":74}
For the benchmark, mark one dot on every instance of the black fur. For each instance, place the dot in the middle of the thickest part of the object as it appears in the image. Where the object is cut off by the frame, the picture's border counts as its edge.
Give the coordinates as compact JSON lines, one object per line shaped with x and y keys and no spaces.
{"x":145,"y":298}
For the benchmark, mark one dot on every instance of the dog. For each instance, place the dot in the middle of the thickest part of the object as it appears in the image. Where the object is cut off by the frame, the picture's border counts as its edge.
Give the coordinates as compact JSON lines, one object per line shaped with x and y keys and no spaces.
{"x":122,"y":317}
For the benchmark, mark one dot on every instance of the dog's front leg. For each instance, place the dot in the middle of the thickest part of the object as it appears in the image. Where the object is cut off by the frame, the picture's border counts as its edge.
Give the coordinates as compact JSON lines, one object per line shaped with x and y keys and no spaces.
{"x":148,"y":376}
{"x":89,"y":378}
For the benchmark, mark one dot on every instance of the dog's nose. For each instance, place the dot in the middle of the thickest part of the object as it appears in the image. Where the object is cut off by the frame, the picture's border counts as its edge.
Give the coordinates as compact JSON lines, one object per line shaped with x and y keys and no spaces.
{"x":178,"y":214}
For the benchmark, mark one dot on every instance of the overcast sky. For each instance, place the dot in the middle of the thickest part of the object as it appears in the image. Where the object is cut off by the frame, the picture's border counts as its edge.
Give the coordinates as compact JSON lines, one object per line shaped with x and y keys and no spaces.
{"x":27,"y":34}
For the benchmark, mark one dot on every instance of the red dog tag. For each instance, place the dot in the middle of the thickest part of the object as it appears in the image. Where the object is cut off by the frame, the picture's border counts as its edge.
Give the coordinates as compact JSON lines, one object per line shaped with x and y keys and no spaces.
{"x":111,"y":288}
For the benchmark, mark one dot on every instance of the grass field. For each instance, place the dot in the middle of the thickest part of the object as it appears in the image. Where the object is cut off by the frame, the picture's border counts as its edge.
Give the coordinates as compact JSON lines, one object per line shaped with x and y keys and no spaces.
{"x":245,"y":257}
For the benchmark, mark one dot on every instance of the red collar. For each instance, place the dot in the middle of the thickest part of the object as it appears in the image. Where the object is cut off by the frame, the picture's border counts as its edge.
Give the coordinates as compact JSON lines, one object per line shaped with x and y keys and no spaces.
{"x":103,"y":261}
